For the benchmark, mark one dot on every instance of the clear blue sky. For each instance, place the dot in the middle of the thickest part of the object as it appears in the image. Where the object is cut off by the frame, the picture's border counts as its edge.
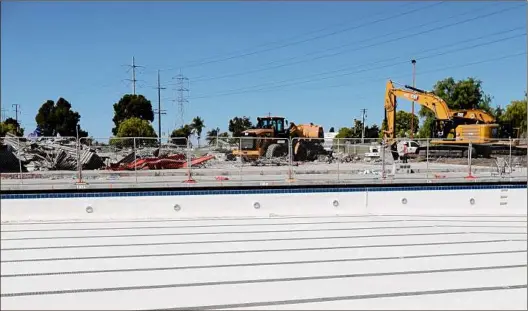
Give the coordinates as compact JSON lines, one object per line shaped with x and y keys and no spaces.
{"x":79,"y":50}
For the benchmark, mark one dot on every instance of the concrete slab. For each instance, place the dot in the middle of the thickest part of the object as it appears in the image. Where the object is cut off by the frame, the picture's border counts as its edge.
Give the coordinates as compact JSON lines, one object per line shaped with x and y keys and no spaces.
{"x":337,"y":262}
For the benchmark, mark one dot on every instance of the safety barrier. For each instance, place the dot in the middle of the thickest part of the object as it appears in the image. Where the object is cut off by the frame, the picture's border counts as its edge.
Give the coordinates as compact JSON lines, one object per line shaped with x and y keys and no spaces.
{"x":261,"y":202}
{"x":135,"y":162}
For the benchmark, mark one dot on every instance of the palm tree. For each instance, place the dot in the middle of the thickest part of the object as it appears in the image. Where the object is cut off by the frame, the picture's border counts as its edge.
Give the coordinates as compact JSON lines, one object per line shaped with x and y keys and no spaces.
{"x":211,"y":136}
{"x":197,"y":126}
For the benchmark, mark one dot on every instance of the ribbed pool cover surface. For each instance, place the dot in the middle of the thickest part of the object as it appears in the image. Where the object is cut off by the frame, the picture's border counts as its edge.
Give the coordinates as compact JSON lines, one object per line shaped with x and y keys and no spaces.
{"x":341,"y":262}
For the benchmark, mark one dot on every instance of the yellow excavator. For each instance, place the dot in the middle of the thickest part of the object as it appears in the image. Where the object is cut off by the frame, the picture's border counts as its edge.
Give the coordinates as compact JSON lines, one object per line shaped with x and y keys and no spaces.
{"x":453,"y":130}
{"x":270,"y":139}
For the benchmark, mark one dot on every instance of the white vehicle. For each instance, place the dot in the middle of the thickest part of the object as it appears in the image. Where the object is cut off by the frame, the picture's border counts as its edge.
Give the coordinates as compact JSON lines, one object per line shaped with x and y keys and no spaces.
{"x":412,"y":147}
{"x":374,"y":152}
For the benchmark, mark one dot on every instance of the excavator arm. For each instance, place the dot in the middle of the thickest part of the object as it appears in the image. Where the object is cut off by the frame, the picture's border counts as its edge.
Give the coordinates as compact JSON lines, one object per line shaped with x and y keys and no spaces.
{"x":426,"y":99}
{"x":430,"y":101}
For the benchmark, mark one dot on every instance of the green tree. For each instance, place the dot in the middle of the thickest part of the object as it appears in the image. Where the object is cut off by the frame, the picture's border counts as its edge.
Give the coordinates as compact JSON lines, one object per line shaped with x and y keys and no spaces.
{"x":403,"y":124}
{"x":462,"y":94}
{"x":213,"y":134}
{"x":197,"y":126}
{"x":426,"y":128}
{"x":12,"y":126}
{"x":355,"y":131}
{"x":132,"y":106}
{"x":135,"y":127}
{"x":345,"y":132}
{"x":239,"y":124}
{"x":7,"y":128}
{"x":58,"y":118}
{"x":515,"y":114}
{"x":372,"y":131}
{"x":181,"y":135}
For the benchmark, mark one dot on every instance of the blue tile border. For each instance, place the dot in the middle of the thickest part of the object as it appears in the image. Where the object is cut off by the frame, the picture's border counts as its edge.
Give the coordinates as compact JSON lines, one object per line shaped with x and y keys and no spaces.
{"x":242,"y":191}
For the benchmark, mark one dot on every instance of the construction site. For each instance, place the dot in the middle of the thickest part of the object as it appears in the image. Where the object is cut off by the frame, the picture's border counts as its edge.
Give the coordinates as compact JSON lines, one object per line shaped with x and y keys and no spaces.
{"x":464,"y":142}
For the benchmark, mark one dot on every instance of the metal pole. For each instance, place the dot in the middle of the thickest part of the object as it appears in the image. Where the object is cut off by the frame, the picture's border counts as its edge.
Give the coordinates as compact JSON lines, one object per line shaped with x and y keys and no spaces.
{"x":412,"y":107}
{"x":135,"y":160}
{"x":427,"y":159}
{"x":338,"y":167}
{"x":383,"y":159}
{"x":19,"y":161}
{"x":363,"y":125}
{"x":469,"y":158}
{"x":79,"y":166}
{"x":189,"y":173}
{"x":159,"y":109}
{"x":510,"y":159}
{"x":241,"y":160}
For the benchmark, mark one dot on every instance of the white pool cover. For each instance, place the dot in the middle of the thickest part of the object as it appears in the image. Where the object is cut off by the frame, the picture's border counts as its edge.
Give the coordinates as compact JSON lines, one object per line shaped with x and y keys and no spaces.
{"x":342,"y":262}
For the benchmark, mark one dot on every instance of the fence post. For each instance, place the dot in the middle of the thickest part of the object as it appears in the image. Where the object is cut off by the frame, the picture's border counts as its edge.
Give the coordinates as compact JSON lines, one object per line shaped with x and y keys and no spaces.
{"x":19,"y":161}
{"x":510,"y":158}
{"x":470,"y":154}
{"x":338,"y":167}
{"x":79,"y":166}
{"x":427,"y":159}
{"x":135,"y":161}
{"x":290,"y":159}
{"x":383,"y":159}
{"x":189,"y":179}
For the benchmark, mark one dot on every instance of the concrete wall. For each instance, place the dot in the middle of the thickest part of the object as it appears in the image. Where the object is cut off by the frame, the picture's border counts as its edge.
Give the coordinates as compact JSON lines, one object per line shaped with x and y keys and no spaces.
{"x":447,"y":202}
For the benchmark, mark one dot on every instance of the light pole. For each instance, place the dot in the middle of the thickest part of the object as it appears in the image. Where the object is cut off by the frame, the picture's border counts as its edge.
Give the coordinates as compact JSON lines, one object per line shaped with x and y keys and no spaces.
{"x":413,"y":62}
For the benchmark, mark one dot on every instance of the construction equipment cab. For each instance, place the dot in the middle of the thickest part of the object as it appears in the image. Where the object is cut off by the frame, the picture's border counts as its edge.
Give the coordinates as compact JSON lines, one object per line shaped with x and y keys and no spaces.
{"x":271,"y":136}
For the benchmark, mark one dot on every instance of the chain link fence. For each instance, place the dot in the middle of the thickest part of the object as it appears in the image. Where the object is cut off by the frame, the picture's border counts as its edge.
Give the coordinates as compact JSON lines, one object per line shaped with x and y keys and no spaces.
{"x":122,"y":162}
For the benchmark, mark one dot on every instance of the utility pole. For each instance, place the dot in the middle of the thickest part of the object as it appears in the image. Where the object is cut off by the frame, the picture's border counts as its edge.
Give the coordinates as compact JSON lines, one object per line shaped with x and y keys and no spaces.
{"x":16,"y":115}
{"x":160,"y":112}
{"x":363,"y":116}
{"x":413,"y":62}
{"x":133,"y":80}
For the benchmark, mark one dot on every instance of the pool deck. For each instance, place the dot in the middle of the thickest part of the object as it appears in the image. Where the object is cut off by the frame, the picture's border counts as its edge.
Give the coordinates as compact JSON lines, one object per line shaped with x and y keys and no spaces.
{"x":312,"y":262}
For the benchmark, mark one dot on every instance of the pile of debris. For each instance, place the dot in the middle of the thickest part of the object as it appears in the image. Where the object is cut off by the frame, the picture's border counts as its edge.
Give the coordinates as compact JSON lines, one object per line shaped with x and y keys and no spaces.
{"x":173,"y":161}
{"x":42,"y":154}
{"x":59,"y":153}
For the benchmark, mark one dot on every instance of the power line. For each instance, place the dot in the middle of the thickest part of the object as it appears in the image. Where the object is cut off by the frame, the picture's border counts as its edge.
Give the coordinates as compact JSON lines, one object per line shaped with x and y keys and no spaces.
{"x":371,"y":45}
{"x":400,"y":57}
{"x":248,"y":89}
{"x":392,"y":15}
{"x":377,"y":78}
{"x":276,"y":42}
{"x":427,"y":71}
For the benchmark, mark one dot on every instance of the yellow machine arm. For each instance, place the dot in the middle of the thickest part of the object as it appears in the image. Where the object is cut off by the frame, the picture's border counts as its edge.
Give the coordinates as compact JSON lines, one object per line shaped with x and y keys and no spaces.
{"x":429,"y":100}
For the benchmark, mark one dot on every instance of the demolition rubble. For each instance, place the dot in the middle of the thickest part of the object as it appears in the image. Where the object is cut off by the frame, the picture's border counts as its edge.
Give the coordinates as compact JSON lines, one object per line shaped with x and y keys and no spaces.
{"x":62,"y":154}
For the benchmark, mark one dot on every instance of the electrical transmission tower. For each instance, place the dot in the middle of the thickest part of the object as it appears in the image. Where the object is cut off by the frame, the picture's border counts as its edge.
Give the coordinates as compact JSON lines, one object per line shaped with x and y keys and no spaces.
{"x":182,"y":88}
{"x":133,"y":80}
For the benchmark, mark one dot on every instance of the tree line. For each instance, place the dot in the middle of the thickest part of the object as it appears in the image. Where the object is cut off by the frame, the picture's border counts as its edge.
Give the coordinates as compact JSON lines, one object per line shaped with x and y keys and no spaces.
{"x":133,"y":117}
